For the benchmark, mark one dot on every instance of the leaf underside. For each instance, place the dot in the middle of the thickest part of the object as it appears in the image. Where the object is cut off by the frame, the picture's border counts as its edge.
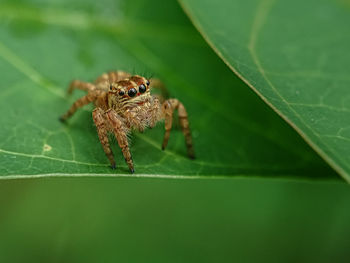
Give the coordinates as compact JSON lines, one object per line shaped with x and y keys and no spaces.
{"x":44,"y":46}
{"x":295,"y":55}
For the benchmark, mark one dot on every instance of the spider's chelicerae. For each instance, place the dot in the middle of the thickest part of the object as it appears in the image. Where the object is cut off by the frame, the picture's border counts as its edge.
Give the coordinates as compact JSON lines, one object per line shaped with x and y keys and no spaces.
{"x":124,"y":102}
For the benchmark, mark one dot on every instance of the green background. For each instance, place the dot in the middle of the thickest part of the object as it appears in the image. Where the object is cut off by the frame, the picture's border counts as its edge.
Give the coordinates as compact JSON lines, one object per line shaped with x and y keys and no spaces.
{"x":162,"y":220}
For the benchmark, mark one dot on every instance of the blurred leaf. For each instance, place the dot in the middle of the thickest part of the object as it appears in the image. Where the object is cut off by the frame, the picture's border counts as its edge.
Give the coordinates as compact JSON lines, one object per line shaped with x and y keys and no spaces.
{"x":153,"y":220}
{"x":295,"y":55}
{"x":44,"y":45}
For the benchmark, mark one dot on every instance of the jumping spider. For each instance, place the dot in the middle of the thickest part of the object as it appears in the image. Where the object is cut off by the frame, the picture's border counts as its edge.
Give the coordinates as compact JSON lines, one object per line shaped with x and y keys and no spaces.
{"x":124,"y":102}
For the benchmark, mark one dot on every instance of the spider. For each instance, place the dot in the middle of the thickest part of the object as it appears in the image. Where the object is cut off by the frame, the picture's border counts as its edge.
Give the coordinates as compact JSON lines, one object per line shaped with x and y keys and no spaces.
{"x":123,"y":102}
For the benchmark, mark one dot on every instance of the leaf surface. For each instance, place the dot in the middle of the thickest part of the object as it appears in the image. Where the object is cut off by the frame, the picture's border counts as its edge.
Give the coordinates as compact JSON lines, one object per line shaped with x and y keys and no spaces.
{"x":151,"y":220}
{"x":295,"y":55}
{"x":43,"y":46}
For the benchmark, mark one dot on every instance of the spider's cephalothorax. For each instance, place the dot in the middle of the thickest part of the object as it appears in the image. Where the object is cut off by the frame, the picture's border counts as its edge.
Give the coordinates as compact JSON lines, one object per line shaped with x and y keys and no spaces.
{"x":124,"y":102}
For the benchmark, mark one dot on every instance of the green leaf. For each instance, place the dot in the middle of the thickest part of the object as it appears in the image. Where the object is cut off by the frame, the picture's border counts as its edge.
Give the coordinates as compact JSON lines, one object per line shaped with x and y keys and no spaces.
{"x":84,"y":220}
{"x":295,"y":55}
{"x":43,"y":46}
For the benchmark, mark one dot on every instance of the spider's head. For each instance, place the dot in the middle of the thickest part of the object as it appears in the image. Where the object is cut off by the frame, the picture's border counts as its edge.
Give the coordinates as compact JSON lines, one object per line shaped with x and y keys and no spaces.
{"x":130,"y":92}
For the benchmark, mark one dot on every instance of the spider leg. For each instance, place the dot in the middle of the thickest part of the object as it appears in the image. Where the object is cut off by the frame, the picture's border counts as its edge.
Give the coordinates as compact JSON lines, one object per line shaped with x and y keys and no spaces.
{"x":78,"y":104}
{"x":112,"y":76}
{"x":154,"y":112}
{"x":168,"y":108}
{"x":100,"y":122}
{"x":77,"y":84}
{"x":120,"y":132}
{"x":164,"y":93}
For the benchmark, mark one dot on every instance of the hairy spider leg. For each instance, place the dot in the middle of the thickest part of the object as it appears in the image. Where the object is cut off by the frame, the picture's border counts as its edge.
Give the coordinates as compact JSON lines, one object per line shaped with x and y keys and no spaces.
{"x":102,"y":131}
{"x":155,"y":112}
{"x":168,"y":108}
{"x":112,"y":76}
{"x":159,"y":85}
{"x":90,"y":97}
{"x":77,"y":84}
{"x":107,"y":118}
{"x":120,"y":133}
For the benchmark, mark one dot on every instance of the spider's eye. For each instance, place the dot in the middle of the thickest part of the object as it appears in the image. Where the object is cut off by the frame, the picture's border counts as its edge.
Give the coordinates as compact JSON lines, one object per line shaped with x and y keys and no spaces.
{"x":110,"y":87}
{"x":121,"y":93}
{"x":147,"y":82}
{"x":142,"y":88}
{"x":132,"y":92}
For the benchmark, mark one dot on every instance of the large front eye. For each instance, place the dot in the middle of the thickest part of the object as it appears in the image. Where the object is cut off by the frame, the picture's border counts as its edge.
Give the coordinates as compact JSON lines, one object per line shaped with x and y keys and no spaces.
{"x":142,"y":88}
{"x":132,"y":92}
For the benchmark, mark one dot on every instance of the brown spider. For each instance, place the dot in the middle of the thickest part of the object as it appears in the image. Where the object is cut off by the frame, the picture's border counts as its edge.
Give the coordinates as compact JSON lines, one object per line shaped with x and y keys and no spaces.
{"x":124,"y":102}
